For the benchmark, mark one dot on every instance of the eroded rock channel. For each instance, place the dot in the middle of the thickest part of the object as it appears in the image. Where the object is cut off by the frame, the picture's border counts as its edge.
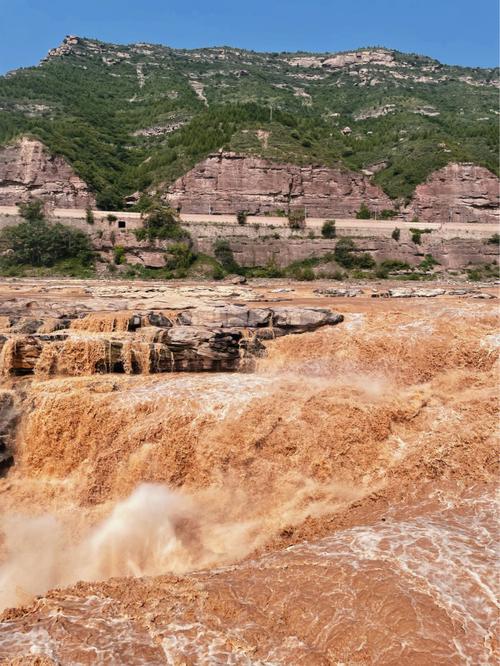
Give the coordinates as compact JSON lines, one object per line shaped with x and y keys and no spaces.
{"x":322,"y":492}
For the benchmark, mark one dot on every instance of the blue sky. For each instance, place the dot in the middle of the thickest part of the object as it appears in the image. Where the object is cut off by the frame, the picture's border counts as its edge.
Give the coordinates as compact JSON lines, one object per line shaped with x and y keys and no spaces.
{"x":454,"y":31}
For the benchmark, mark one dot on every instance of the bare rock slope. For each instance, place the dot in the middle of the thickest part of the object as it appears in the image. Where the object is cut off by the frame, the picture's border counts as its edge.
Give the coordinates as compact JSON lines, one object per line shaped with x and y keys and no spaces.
{"x":227,"y":182}
{"x":27,"y":169}
{"x":458,"y":193}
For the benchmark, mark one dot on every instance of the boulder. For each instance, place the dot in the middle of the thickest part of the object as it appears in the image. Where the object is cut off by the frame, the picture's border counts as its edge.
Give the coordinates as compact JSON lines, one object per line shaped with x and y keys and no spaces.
{"x":334,"y":291}
{"x":299,"y":320}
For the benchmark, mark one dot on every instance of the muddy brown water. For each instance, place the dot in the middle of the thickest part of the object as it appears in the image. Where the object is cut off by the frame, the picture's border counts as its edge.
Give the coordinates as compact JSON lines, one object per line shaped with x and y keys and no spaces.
{"x":335,"y":506}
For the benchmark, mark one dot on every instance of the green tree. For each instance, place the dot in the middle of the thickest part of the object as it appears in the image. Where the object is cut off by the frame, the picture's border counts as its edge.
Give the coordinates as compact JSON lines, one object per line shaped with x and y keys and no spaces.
{"x":161,"y":222}
{"x":328,"y":230}
{"x":241,"y":216}
{"x":363,"y":213}
{"x":32,"y":210}
{"x":224,"y":254}
{"x":40,"y":243}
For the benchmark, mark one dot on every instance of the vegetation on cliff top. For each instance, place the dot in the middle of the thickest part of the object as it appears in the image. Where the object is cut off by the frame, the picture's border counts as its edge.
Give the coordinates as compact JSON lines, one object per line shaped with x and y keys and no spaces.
{"x":131,"y":117}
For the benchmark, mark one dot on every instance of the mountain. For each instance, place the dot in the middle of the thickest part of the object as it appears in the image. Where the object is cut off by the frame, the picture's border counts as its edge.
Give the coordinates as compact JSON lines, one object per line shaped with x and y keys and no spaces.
{"x":134,"y":117}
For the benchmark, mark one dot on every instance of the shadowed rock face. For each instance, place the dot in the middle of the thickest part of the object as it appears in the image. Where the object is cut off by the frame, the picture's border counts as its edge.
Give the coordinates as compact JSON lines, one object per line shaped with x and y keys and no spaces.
{"x":226,"y":183}
{"x":458,"y":193}
{"x":28,"y":170}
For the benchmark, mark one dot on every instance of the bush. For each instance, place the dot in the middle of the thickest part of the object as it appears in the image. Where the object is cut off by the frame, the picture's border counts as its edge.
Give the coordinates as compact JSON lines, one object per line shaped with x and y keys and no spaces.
{"x":428,"y":263}
{"x":416,"y":234}
{"x":494,"y":240}
{"x":180,"y":257}
{"x":394,"y":265}
{"x":387,"y":214}
{"x":161,"y":222}
{"x":119,"y":254}
{"x":303,"y":273}
{"x":218,"y":273}
{"x":344,"y":255}
{"x":297,"y":218}
{"x":474,"y":275}
{"x":32,"y":210}
{"x":363,"y":213}
{"x":40,"y":243}
{"x":111,"y":217}
{"x":328,"y":230}
{"x":224,"y":254}
{"x":241,"y":216}
{"x":381,"y":273}
{"x":89,"y":215}
{"x":396,"y":234}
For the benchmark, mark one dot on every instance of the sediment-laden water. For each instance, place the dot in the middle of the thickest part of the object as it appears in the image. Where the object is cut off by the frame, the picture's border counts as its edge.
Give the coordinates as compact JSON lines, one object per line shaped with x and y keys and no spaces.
{"x":335,"y":506}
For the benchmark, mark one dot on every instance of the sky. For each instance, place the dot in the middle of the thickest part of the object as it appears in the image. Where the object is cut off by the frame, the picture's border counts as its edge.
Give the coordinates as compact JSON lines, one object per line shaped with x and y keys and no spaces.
{"x":453,"y":31}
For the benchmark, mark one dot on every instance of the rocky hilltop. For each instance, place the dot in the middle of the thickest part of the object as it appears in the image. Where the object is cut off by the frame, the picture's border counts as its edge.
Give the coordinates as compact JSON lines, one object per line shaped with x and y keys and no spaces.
{"x":140,"y":116}
{"x":27,"y":169}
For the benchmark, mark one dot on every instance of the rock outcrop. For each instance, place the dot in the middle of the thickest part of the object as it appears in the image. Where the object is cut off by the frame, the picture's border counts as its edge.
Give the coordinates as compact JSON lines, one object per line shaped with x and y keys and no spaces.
{"x":227,"y":183}
{"x":219,"y":338}
{"x":457,"y":193}
{"x":28,"y":170}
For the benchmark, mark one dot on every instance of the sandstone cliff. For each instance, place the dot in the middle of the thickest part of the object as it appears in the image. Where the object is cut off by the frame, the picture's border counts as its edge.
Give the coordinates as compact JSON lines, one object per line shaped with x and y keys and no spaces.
{"x":28,"y":170}
{"x":227,"y":182}
{"x":457,"y":193}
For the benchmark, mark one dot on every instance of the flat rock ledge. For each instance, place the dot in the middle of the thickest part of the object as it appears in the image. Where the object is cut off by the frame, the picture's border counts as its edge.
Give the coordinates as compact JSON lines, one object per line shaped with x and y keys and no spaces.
{"x":211,"y":338}
{"x":402,"y":292}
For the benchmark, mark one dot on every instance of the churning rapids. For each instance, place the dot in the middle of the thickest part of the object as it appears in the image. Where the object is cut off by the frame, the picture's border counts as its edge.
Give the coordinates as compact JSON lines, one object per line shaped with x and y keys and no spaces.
{"x":336,"y":506}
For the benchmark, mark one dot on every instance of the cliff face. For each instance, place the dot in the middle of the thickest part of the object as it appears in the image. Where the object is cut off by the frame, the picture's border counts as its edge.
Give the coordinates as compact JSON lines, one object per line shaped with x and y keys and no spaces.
{"x":457,"y":193}
{"x":28,"y":170}
{"x":227,"y":183}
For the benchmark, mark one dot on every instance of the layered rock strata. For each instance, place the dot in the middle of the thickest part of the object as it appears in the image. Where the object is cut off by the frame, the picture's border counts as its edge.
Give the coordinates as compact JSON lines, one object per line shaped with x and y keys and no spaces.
{"x":220,"y":338}
{"x":227,"y":183}
{"x":458,"y":193}
{"x":27,"y":169}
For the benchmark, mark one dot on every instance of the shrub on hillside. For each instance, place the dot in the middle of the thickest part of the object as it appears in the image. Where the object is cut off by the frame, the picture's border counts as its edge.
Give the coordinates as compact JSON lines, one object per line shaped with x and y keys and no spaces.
{"x":396,"y":234}
{"x":297,"y":218}
{"x":345,"y":255}
{"x":32,"y":210}
{"x":387,"y":214}
{"x":224,"y":255}
{"x":241,"y":216}
{"x":180,"y":256}
{"x":363,"y":213}
{"x":162,"y":222}
{"x":328,"y":230}
{"x":119,"y":254}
